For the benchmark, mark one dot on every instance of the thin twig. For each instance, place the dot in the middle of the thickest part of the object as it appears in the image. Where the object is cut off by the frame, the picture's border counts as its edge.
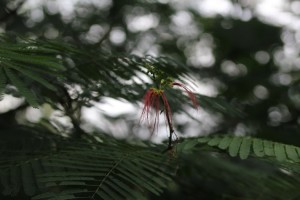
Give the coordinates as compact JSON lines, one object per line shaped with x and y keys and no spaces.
{"x":107,"y":175}
{"x":105,"y":35}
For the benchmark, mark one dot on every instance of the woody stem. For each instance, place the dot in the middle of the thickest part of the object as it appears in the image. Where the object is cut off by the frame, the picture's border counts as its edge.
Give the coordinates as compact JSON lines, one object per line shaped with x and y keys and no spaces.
{"x":170,"y":128}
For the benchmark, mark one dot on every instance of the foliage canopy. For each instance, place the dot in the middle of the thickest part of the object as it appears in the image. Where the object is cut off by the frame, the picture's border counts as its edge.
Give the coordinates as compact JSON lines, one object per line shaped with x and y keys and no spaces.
{"x":63,"y":67}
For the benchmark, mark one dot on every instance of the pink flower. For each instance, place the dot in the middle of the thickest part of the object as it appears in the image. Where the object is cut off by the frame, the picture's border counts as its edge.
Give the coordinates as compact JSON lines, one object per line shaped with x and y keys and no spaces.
{"x":189,"y":92}
{"x":153,"y":99}
{"x":152,"y":104}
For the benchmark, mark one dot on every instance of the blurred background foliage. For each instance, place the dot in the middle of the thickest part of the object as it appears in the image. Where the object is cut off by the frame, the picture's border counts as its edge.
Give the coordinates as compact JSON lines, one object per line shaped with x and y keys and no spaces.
{"x":243,"y":54}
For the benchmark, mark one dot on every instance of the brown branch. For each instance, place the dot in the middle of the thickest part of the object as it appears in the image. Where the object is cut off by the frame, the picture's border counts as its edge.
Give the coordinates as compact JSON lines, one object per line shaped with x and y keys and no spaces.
{"x":170,"y":142}
{"x":67,"y":104}
{"x":105,"y":36}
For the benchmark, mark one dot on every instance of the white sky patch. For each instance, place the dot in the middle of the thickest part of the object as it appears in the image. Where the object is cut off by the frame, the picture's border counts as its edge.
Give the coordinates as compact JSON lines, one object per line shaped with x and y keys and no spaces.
{"x":113,"y":107}
{"x":205,"y":123}
{"x":100,"y":4}
{"x":241,"y":130}
{"x":261,"y":92}
{"x":33,"y":115}
{"x":232,"y":69}
{"x":37,"y":15}
{"x":92,"y":116}
{"x":145,"y":42}
{"x":9,"y":102}
{"x":142,"y":23}
{"x":272,"y":11}
{"x":52,"y":7}
{"x":95,"y":33}
{"x":60,"y":120}
{"x":275,"y":12}
{"x":200,"y":54}
{"x":181,"y":18}
{"x":32,"y":4}
{"x":295,"y":7}
{"x":210,"y":8}
{"x":66,"y":8}
{"x":141,"y":78}
{"x":184,"y":25}
{"x":262,"y":57}
{"x":207,"y":87}
{"x":117,"y":36}
{"x":51,"y":33}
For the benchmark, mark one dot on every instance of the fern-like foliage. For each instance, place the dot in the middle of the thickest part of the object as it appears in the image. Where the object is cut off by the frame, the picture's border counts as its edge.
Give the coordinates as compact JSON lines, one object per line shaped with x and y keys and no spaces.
{"x":44,"y":165}
{"x":85,"y":169}
{"x":247,"y":146}
{"x":42,"y":71}
{"x":23,"y":63}
{"x":105,"y":168}
{"x":205,"y":173}
{"x":22,"y":152}
{"x":106,"y":171}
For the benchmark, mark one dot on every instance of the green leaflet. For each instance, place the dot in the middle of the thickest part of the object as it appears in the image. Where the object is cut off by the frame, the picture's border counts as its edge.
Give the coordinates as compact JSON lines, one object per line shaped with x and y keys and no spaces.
{"x":186,"y":146}
{"x":234,"y":146}
{"x":28,"y":49}
{"x":203,"y":139}
{"x":111,"y":192}
{"x":269,"y":148}
{"x":120,"y":187}
{"x":27,"y":93}
{"x":214,"y":141}
{"x":225,"y":142}
{"x":258,"y":147}
{"x":292,"y":153}
{"x":35,"y":76}
{"x":245,"y":146}
{"x":279,"y":151}
{"x":43,"y":61}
